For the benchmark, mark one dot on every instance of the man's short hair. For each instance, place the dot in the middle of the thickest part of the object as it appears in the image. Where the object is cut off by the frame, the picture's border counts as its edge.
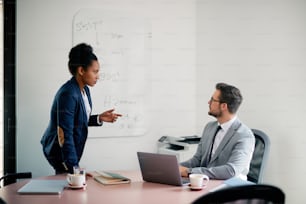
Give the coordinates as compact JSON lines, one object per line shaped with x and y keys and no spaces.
{"x":229,"y":95}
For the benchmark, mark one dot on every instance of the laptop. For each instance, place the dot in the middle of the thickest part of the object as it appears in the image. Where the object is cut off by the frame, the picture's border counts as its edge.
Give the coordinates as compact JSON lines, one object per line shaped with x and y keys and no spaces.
{"x":160,"y":168}
{"x":43,"y":187}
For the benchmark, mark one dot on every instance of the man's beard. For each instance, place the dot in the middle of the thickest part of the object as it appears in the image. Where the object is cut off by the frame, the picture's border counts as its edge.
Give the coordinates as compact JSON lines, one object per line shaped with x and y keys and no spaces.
{"x":216,"y":115}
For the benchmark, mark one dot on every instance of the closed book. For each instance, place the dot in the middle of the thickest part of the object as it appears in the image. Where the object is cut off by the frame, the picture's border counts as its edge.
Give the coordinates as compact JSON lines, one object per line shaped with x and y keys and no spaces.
{"x":109,"y":178}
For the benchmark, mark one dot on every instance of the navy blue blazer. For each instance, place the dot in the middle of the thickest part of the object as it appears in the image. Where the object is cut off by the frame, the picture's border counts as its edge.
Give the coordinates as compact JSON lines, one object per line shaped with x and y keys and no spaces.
{"x":64,"y":139}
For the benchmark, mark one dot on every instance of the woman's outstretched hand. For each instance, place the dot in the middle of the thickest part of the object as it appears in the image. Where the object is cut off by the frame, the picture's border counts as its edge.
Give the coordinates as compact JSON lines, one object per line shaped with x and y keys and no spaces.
{"x":109,"y":116}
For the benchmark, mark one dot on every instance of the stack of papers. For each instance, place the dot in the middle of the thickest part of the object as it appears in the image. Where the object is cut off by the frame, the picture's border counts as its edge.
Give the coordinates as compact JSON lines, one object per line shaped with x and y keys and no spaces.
{"x":234,"y":181}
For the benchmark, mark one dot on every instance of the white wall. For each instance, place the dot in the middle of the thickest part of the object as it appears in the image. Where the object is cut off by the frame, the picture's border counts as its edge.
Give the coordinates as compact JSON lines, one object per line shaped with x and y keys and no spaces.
{"x":260,"y":46}
{"x":257,"y":45}
{"x":44,"y":39}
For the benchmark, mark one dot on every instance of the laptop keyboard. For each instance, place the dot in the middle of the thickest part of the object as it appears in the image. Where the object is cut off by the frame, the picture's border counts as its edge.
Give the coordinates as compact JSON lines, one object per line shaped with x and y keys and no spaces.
{"x":185,"y":180}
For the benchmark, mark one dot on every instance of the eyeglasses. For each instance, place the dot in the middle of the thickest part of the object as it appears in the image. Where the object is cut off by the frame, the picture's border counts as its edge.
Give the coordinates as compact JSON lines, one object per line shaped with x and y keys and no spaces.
{"x":214,"y":100}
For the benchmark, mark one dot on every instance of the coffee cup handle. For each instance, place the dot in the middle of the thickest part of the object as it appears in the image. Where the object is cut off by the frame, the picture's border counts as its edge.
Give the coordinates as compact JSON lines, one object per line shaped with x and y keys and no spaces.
{"x":205,"y":179}
{"x":68,"y":177}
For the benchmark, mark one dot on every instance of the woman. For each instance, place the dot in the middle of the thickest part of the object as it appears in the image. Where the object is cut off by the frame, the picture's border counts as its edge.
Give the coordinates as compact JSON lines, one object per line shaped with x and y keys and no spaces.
{"x":64,"y":139}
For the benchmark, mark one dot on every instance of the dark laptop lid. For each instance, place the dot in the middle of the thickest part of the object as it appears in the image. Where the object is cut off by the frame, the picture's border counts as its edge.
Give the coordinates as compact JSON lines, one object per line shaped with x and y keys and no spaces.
{"x":159,"y":168}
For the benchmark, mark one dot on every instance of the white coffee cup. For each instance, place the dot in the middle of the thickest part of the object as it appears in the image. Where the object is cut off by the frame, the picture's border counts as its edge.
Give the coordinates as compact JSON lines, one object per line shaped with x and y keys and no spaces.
{"x":198,"y":180}
{"x":80,"y":171}
{"x":75,"y":179}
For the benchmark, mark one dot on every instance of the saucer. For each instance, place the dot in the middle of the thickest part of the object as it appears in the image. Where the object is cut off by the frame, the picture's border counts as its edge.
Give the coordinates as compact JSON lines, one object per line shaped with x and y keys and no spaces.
{"x":196,"y":188}
{"x":76,"y":187}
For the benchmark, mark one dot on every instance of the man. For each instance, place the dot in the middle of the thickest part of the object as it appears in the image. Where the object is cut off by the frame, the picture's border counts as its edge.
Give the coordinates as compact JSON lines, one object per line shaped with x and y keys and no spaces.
{"x":226,"y":152}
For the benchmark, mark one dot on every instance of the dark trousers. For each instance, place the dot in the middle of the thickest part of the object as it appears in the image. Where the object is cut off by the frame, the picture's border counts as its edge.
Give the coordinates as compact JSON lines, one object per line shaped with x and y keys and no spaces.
{"x":56,"y":162}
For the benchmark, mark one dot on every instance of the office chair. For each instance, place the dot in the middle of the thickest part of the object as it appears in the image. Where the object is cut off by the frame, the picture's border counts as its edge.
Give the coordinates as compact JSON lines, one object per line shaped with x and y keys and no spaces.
{"x":11,"y":177}
{"x":2,"y":201}
{"x":260,"y":156}
{"x":246,"y":194}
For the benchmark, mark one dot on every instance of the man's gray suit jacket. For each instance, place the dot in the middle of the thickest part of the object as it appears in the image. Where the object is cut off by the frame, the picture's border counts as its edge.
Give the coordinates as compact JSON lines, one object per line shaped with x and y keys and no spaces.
{"x":232,"y":157}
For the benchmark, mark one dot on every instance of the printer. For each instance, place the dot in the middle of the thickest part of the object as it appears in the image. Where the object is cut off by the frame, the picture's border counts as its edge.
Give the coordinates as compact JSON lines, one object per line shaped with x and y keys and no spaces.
{"x":183,"y":147}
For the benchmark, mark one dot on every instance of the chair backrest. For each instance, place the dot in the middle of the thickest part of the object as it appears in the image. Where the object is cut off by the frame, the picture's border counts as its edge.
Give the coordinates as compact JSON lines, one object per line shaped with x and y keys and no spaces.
{"x":12,"y":177}
{"x":258,"y":193}
{"x":2,"y":201}
{"x":260,"y":156}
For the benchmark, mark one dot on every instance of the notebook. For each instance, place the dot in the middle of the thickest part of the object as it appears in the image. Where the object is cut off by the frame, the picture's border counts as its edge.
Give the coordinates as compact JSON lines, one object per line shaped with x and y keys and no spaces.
{"x":43,"y":187}
{"x":160,"y":168}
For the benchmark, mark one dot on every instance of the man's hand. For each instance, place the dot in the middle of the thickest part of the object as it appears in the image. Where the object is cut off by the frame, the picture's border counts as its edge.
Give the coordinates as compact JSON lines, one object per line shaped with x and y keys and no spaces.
{"x":184,"y":171}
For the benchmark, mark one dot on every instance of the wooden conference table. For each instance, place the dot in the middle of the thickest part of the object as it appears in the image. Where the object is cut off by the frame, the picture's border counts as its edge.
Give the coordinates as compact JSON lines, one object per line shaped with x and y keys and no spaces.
{"x":137,"y":192}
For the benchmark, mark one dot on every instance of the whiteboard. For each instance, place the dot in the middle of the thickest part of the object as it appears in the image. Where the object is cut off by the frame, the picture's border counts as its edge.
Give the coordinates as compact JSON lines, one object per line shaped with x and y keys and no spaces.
{"x":122,"y":43}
